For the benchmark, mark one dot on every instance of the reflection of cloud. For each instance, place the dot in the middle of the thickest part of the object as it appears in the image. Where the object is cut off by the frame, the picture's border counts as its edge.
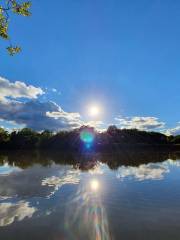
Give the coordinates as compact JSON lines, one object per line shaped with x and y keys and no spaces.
{"x":11,"y":211}
{"x":171,"y":162}
{"x":71,"y":177}
{"x":143,"y":172}
{"x":4,"y":198}
{"x":11,"y":185}
{"x":6,"y":169}
{"x":98,"y":170}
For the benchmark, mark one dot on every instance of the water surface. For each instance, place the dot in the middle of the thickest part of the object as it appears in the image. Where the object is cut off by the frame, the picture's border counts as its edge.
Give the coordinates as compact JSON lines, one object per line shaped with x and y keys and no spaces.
{"x":89,"y":196}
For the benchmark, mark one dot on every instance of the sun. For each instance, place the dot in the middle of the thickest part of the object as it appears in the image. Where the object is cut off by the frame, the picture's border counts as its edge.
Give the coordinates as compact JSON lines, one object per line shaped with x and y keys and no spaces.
{"x":94,"y":110}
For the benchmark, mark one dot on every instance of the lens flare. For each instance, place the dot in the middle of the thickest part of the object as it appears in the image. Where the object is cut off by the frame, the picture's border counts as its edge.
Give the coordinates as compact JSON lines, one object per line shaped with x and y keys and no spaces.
{"x":87,"y":136}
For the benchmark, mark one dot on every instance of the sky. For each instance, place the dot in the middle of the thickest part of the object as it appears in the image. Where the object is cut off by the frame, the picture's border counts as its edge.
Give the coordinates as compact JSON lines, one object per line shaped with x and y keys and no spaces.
{"x":122,"y":56}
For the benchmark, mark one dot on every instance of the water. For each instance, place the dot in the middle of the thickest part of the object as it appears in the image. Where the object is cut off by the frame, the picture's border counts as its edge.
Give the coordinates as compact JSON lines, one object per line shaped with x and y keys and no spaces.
{"x":58,"y":196}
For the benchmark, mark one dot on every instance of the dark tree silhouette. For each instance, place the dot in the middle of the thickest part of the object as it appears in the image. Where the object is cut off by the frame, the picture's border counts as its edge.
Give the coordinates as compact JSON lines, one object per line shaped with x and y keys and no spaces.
{"x":113,"y":138}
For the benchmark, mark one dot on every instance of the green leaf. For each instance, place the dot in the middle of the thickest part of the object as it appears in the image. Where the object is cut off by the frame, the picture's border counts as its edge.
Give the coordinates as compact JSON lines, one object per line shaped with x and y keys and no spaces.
{"x":13,"y":50}
{"x":3,"y":31}
{"x":22,"y":9}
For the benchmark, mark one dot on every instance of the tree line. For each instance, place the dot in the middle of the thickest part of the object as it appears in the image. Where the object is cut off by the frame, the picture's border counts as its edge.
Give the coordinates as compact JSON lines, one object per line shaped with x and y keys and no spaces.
{"x":64,"y":140}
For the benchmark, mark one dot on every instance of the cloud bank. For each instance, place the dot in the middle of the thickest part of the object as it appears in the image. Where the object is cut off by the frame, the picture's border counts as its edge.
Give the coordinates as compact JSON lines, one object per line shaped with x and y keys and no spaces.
{"x":39,"y":115}
{"x":141,"y":123}
{"x":18,"y":90}
{"x":32,"y":113}
{"x":173,"y":131}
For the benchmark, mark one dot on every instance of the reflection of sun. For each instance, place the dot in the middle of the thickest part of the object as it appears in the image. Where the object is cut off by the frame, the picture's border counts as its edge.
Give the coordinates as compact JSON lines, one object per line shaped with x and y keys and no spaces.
{"x":94,"y":184}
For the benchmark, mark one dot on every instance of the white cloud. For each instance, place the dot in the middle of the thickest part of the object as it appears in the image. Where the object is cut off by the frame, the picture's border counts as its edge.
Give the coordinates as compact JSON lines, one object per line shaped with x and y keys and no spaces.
{"x":96,"y":124}
{"x":33,"y":114}
{"x":48,"y":115}
{"x":18,"y":90}
{"x":10,"y":212}
{"x":71,"y":117}
{"x":141,"y":123}
{"x":39,"y":115}
{"x":54,"y":90}
{"x":173,"y":131}
{"x":149,"y":171}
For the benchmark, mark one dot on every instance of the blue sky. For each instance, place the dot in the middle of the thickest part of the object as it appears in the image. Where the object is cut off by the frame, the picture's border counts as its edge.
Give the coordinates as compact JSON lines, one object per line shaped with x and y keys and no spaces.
{"x":122,"y":55}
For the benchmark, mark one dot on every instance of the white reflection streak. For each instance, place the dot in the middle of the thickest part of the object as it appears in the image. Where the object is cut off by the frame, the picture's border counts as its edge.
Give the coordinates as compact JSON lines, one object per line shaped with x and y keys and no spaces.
{"x":11,"y":211}
{"x":89,"y":215}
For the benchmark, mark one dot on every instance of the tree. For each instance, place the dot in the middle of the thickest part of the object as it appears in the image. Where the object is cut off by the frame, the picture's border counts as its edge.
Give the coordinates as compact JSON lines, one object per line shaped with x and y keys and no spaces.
{"x":112,"y":129}
{"x":6,"y":10}
{"x":176,"y":139}
{"x":24,"y":139}
{"x":4,"y":136}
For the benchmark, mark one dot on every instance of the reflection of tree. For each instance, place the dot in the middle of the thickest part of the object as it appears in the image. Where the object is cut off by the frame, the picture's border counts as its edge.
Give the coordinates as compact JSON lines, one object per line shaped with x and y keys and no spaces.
{"x":85,"y":161}
{"x":3,"y":159}
{"x":134,"y":158}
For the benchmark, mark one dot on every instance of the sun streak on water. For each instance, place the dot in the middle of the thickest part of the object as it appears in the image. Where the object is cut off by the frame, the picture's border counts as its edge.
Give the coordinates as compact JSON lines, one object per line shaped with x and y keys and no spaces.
{"x":94,"y":184}
{"x":89,"y":214}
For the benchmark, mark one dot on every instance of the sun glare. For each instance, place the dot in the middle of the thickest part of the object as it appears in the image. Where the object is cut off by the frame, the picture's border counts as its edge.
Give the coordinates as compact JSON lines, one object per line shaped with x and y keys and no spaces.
{"x":94,"y":184}
{"x":94,"y":110}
